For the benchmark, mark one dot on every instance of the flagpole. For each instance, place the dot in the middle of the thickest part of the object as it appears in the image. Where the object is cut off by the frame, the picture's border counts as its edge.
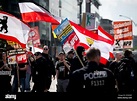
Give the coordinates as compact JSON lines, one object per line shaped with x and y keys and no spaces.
{"x":18,"y":75}
{"x":17,"y":67}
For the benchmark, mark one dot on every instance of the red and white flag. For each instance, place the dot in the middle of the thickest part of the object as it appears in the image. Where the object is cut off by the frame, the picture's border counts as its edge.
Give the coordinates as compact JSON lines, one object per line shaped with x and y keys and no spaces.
{"x":89,"y":39}
{"x":12,"y":29}
{"x":31,"y":12}
{"x":106,"y":35}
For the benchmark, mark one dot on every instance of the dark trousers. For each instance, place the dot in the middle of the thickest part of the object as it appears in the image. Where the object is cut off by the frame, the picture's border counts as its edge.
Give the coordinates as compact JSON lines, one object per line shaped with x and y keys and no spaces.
{"x":15,"y":85}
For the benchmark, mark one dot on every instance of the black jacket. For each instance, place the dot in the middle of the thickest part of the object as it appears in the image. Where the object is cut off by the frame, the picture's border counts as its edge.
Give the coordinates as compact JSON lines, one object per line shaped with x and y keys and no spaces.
{"x":93,"y":79}
{"x":75,"y":63}
{"x":41,"y":68}
{"x":50,"y":63}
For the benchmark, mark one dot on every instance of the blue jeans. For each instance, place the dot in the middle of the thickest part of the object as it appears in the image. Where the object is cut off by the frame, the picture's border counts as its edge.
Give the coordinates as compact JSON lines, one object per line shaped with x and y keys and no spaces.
{"x":62,"y":85}
{"x":27,"y":81}
{"x":15,"y":85}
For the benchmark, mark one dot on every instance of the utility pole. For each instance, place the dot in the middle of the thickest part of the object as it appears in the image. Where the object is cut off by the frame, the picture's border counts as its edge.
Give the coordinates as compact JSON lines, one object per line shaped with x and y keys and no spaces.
{"x":88,"y":4}
{"x":80,"y":10}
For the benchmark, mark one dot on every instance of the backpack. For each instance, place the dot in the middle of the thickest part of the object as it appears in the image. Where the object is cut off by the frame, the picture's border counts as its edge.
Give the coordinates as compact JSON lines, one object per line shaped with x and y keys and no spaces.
{"x":124,"y":73}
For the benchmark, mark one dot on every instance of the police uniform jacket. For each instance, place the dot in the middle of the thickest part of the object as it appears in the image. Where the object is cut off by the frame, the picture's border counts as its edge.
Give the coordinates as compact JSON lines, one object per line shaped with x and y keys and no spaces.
{"x":92,"y":78}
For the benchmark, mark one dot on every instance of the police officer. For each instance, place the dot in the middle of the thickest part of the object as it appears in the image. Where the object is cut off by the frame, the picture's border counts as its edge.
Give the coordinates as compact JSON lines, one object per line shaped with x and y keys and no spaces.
{"x":93,"y":78}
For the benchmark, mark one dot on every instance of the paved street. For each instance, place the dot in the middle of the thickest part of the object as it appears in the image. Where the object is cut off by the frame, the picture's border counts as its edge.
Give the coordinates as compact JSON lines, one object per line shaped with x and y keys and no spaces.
{"x":52,"y":88}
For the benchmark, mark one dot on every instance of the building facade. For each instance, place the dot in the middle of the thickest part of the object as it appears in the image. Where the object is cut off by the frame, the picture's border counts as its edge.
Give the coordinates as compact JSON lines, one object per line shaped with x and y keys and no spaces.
{"x":69,"y":9}
{"x":107,"y":25}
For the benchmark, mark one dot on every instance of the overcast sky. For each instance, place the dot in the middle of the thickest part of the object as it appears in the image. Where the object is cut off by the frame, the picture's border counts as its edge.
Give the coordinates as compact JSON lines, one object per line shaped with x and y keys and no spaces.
{"x":111,"y":9}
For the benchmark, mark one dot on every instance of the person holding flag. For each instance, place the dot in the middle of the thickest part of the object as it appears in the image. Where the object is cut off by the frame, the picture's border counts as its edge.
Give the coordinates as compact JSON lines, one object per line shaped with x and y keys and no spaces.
{"x":19,"y":82}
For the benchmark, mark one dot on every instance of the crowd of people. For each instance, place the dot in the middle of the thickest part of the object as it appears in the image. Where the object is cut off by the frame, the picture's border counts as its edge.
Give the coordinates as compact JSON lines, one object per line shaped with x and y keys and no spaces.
{"x":74,"y":71}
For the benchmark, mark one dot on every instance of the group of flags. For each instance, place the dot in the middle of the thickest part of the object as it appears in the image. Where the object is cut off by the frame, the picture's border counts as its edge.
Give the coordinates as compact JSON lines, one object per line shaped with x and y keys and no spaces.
{"x":76,"y":35}
{"x":16,"y":30}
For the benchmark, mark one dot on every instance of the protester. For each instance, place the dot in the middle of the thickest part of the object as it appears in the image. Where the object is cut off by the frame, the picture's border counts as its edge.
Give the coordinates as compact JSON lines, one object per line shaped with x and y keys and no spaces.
{"x":42,"y":71}
{"x":52,"y":71}
{"x":5,"y":74}
{"x":71,"y":60}
{"x":19,"y":77}
{"x":62,"y":73}
{"x":92,"y":78}
{"x":76,"y":58}
{"x":112,"y":66}
{"x":125,"y":73}
{"x":29,"y":55}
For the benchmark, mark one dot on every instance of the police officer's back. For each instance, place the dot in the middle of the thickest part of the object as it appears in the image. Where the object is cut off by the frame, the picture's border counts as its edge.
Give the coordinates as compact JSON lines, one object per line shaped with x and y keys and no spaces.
{"x":93,"y":78}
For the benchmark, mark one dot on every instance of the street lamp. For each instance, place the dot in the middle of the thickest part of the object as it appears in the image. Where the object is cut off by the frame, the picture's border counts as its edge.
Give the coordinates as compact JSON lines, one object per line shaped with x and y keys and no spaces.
{"x":128,"y":18}
{"x":80,"y":9}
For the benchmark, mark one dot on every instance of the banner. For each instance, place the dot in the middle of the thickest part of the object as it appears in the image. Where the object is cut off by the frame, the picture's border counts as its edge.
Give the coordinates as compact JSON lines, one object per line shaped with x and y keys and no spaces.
{"x":33,"y":37}
{"x":63,"y":30}
{"x":17,"y":56}
{"x":71,"y":42}
{"x":66,"y":35}
{"x":21,"y":58}
{"x":53,"y":28}
{"x":123,"y":34}
{"x":12,"y":59}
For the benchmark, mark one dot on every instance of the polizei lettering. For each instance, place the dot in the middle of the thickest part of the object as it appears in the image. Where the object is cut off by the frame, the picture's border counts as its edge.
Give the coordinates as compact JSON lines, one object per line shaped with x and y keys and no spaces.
{"x":95,"y":75}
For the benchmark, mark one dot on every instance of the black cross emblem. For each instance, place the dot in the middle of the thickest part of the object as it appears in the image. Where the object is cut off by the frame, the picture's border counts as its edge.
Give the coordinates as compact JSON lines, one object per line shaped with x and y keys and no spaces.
{"x":117,"y":42}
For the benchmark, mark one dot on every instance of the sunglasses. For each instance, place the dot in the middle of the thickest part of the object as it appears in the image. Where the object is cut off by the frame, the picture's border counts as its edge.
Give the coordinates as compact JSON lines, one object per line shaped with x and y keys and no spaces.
{"x":45,"y":48}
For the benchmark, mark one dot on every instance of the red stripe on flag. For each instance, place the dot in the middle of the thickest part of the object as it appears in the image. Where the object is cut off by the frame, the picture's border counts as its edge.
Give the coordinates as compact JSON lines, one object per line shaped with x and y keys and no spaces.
{"x":103,"y":60}
{"x":111,"y":55}
{"x":83,"y":45}
{"x":90,"y":33}
{"x":106,"y":33}
{"x":38,"y":16}
{"x":10,"y":38}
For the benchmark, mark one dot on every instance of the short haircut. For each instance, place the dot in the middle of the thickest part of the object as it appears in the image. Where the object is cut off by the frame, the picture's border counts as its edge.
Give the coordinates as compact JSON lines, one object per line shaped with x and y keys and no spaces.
{"x":71,"y":52}
{"x":37,"y":53}
{"x":127,"y":53}
{"x":45,"y":46}
{"x":92,"y":53}
{"x":117,"y":53}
